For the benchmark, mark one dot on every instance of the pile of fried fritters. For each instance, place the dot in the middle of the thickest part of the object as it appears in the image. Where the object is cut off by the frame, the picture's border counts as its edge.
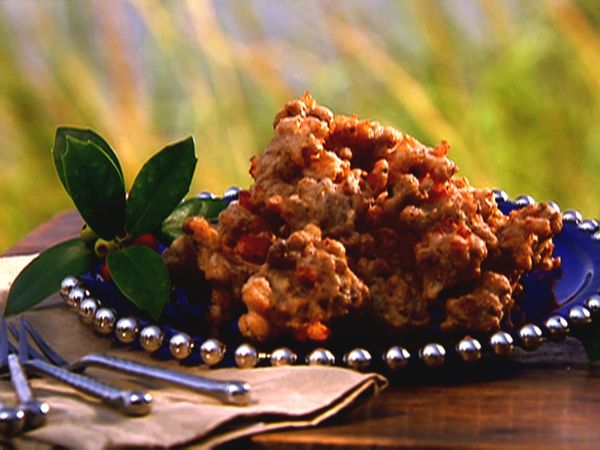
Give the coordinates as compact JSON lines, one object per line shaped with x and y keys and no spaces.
{"x":349,"y":219}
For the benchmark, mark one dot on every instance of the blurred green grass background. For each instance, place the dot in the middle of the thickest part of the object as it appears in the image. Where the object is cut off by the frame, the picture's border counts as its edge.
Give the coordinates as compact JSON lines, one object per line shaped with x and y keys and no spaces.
{"x":514,"y":86}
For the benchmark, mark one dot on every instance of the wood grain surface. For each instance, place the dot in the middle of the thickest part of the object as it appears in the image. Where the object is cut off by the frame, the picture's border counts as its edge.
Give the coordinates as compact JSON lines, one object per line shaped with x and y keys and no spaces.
{"x":541,"y":400}
{"x":61,"y":227}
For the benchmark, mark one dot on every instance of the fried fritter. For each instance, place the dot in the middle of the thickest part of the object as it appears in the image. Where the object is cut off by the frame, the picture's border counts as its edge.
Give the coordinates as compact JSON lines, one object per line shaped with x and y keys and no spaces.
{"x":346,"y":216}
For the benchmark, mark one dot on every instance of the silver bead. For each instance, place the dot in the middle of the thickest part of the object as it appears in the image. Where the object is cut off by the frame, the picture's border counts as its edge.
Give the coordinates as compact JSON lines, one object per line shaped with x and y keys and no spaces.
{"x":469,"y":349}
{"x":580,"y":315}
{"x":433,"y":355}
{"x":137,"y":403}
{"x":36,"y":412}
{"x":572,"y":215}
{"x":500,"y":195}
{"x":531,"y":336}
{"x":76,"y":296}
{"x":593,"y":304}
{"x":357,"y":359}
{"x":104,"y":320}
{"x":12,"y":421}
{"x":67,"y":285}
{"x":231,"y":193}
{"x":596,"y":236}
{"x":589,"y":225}
{"x":396,"y":357}
{"x":206,"y":195}
{"x":87,"y":310}
{"x":126,"y":329}
{"x":553,"y":206}
{"x":246,"y":356}
{"x":283,"y":357}
{"x":558,"y":328}
{"x":524,"y":200}
{"x":151,"y":338}
{"x":502,"y":343}
{"x":212,"y":351}
{"x":180,"y":345}
{"x":320,"y":357}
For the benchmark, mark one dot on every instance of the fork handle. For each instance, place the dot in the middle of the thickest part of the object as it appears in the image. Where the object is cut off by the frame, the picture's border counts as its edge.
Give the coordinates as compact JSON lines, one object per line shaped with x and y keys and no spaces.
{"x":232,"y":391}
{"x":134,"y":403}
{"x":19,"y":380}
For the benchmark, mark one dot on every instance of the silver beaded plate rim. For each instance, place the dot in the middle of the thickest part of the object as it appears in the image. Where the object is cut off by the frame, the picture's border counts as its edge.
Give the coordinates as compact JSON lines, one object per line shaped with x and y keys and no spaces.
{"x":529,"y":337}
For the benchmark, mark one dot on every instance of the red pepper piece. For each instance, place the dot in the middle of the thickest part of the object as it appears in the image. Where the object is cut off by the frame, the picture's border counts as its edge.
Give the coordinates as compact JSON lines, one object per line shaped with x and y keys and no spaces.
{"x":253,"y":248}
{"x":105,"y":273}
{"x":146,"y":240}
{"x":306,"y":275}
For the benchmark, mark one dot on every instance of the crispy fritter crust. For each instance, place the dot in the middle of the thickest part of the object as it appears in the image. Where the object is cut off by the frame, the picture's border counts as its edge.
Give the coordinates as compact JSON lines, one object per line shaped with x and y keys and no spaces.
{"x":348,"y":216}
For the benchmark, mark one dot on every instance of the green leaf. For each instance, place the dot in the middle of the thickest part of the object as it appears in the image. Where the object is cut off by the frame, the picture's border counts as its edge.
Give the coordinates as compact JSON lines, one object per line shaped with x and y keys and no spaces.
{"x":42,"y":276}
{"x":141,"y":275}
{"x":96,"y":187}
{"x":85,"y":135}
{"x":171,"y":226}
{"x":159,"y":187}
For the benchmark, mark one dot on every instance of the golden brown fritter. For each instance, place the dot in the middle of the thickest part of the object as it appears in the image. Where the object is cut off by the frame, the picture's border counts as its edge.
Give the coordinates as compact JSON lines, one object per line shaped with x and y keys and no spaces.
{"x":482,"y":308}
{"x":305,"y":283}
{"x":346,"y":216}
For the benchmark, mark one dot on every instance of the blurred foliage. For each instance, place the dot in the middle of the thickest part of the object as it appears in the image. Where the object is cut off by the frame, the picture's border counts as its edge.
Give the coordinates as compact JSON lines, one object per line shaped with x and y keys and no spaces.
{"x":514,"y":86}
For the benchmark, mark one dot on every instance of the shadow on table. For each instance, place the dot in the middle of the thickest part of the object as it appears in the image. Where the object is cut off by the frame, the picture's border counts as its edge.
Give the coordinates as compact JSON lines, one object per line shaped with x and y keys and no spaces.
{"x":566,"y":355}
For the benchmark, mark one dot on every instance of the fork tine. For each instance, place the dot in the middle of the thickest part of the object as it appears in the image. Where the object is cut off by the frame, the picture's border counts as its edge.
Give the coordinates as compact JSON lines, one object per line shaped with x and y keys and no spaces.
{"x":12,"y":348}
{"x":48,"y":351}
{"x":23,"y":344}
{"x":3,"y":342}
{"x":31,"y":352}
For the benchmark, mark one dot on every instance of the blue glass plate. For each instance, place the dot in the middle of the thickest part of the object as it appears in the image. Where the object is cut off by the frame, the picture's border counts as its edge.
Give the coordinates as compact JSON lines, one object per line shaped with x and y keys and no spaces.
{"x":545,"y":293}
{"x":555,"y":292}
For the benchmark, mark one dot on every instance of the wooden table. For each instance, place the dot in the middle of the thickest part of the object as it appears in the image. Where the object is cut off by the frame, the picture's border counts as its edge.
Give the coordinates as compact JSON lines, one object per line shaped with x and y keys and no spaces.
{"x":546,"y":399}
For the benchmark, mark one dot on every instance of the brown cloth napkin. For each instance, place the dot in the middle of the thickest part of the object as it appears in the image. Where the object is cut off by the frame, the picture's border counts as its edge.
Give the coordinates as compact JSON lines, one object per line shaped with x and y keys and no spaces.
{"x":283,"y":397}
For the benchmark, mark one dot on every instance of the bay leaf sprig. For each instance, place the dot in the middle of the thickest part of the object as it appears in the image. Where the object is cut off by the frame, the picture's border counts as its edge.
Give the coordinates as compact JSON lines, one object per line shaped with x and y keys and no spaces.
{"x":91,"y":174}
{"x":83,"y":134}
{"x":95,"y":186}
{"x":140,"y":274}
{"x":159,"y":187}
{"x":41,"y":276}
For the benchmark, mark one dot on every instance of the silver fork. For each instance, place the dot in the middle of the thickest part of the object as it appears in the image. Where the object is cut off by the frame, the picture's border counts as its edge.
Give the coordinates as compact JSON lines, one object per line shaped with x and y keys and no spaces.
{"x":232,"y":391}
{"x":12,"y":420}
{"x":129,"y":402}
{"x":35,"y":410}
